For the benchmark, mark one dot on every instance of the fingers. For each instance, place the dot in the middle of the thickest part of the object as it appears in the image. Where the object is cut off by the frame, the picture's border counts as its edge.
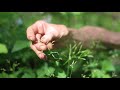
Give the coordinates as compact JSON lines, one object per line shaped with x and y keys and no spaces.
{"x":40,"y":46}
{"x":37,"y":27}
{"x":47,"y":38}
{"x":43,"y":47}
{"x":40,"y":54}
{"x":38,"y":37}
{"x":49,"y":46}
{"x":41,"y":34}
{"x":31,"y":33}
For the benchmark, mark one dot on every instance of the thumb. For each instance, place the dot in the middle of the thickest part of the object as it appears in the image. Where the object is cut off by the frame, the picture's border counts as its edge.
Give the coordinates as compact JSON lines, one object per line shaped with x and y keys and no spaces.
{"x":47,"y":38}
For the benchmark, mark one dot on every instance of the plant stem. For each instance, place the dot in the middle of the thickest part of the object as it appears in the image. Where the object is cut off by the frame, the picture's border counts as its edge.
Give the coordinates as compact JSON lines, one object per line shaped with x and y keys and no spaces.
{"x":69,"y":58}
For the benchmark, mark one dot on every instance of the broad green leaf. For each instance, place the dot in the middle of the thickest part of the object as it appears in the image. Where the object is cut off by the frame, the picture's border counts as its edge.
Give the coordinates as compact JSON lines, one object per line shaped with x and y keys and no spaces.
{"x":20,"y":44}
{"x":28,"y":75}
{"x":40,"y":73}
{"x":4,"y":75}
{"x":3,"y":48}
{"x":50,"y":71}
{"x":107,"y":66}
{"x":45,"y":71}
{"x":96,"y":73}
{"x":106,"y":76}
{"x":61,"y":74}
{"x":12,"y":76}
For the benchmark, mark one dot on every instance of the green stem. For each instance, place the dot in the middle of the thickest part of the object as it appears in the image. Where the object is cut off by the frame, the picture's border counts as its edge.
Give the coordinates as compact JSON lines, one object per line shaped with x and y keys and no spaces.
{"x":70,"y":52}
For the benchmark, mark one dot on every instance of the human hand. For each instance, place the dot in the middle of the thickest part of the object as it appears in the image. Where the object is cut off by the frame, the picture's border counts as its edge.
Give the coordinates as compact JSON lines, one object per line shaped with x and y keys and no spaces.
{"x":43,"y":34}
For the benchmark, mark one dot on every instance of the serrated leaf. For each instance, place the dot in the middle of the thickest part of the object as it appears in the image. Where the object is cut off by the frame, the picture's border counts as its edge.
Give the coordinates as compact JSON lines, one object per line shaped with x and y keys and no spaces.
{"x":3,"y":48}
{"x":20,"y":44}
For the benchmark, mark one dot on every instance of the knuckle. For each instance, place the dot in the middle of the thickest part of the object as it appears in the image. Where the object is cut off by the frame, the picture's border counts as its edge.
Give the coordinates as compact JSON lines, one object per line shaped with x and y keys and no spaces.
{"x":28,"y":29}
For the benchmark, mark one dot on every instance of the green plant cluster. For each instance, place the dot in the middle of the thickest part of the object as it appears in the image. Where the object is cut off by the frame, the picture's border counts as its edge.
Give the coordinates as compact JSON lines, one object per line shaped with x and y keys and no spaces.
{"x":17,"y":60}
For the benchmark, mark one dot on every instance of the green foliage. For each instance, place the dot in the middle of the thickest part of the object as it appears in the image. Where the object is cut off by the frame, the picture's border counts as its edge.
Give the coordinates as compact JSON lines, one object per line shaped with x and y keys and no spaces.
{"x":61,"y":74}
{"x":19,"y":45}
{"x":17,"y":60}
{"x":3,"y":48}
{"x":96,"y":73}
{"x":107,"y":65}
{"x":45,"y":71}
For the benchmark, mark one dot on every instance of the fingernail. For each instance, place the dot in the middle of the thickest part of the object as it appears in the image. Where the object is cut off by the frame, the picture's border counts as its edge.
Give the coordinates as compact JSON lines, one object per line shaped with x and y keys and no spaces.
{"x":43,"y":48}
{"x":43,"y":40}
{"x":42,"y":56}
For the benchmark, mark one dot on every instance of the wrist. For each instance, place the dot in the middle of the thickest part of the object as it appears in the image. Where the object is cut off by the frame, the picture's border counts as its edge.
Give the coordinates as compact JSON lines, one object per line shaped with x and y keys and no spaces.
{"x":63,"y":30}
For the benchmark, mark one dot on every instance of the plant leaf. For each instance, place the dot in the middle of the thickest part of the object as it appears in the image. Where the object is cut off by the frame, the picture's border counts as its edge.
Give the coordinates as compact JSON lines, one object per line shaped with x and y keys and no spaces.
{"x":19,"y":45}
{"x":107,"y":65}
{"x":61,"y":74}
{"x":3,"y":48}
{"x":50,"y":71}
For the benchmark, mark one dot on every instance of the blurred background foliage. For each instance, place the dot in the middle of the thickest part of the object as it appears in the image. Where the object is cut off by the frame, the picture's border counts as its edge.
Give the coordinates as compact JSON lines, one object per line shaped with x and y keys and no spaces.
{"x":17,"y":60}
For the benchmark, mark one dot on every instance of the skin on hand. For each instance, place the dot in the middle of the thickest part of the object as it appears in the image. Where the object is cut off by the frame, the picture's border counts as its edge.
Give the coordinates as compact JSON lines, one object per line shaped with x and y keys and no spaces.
{"x":43,"y":34}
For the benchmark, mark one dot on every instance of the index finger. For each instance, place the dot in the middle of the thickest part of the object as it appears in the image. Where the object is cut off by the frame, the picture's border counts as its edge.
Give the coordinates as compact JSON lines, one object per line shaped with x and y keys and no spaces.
{"x":31,"y":33}
{"x":40,"y":54}
{"x":37,"y":27}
